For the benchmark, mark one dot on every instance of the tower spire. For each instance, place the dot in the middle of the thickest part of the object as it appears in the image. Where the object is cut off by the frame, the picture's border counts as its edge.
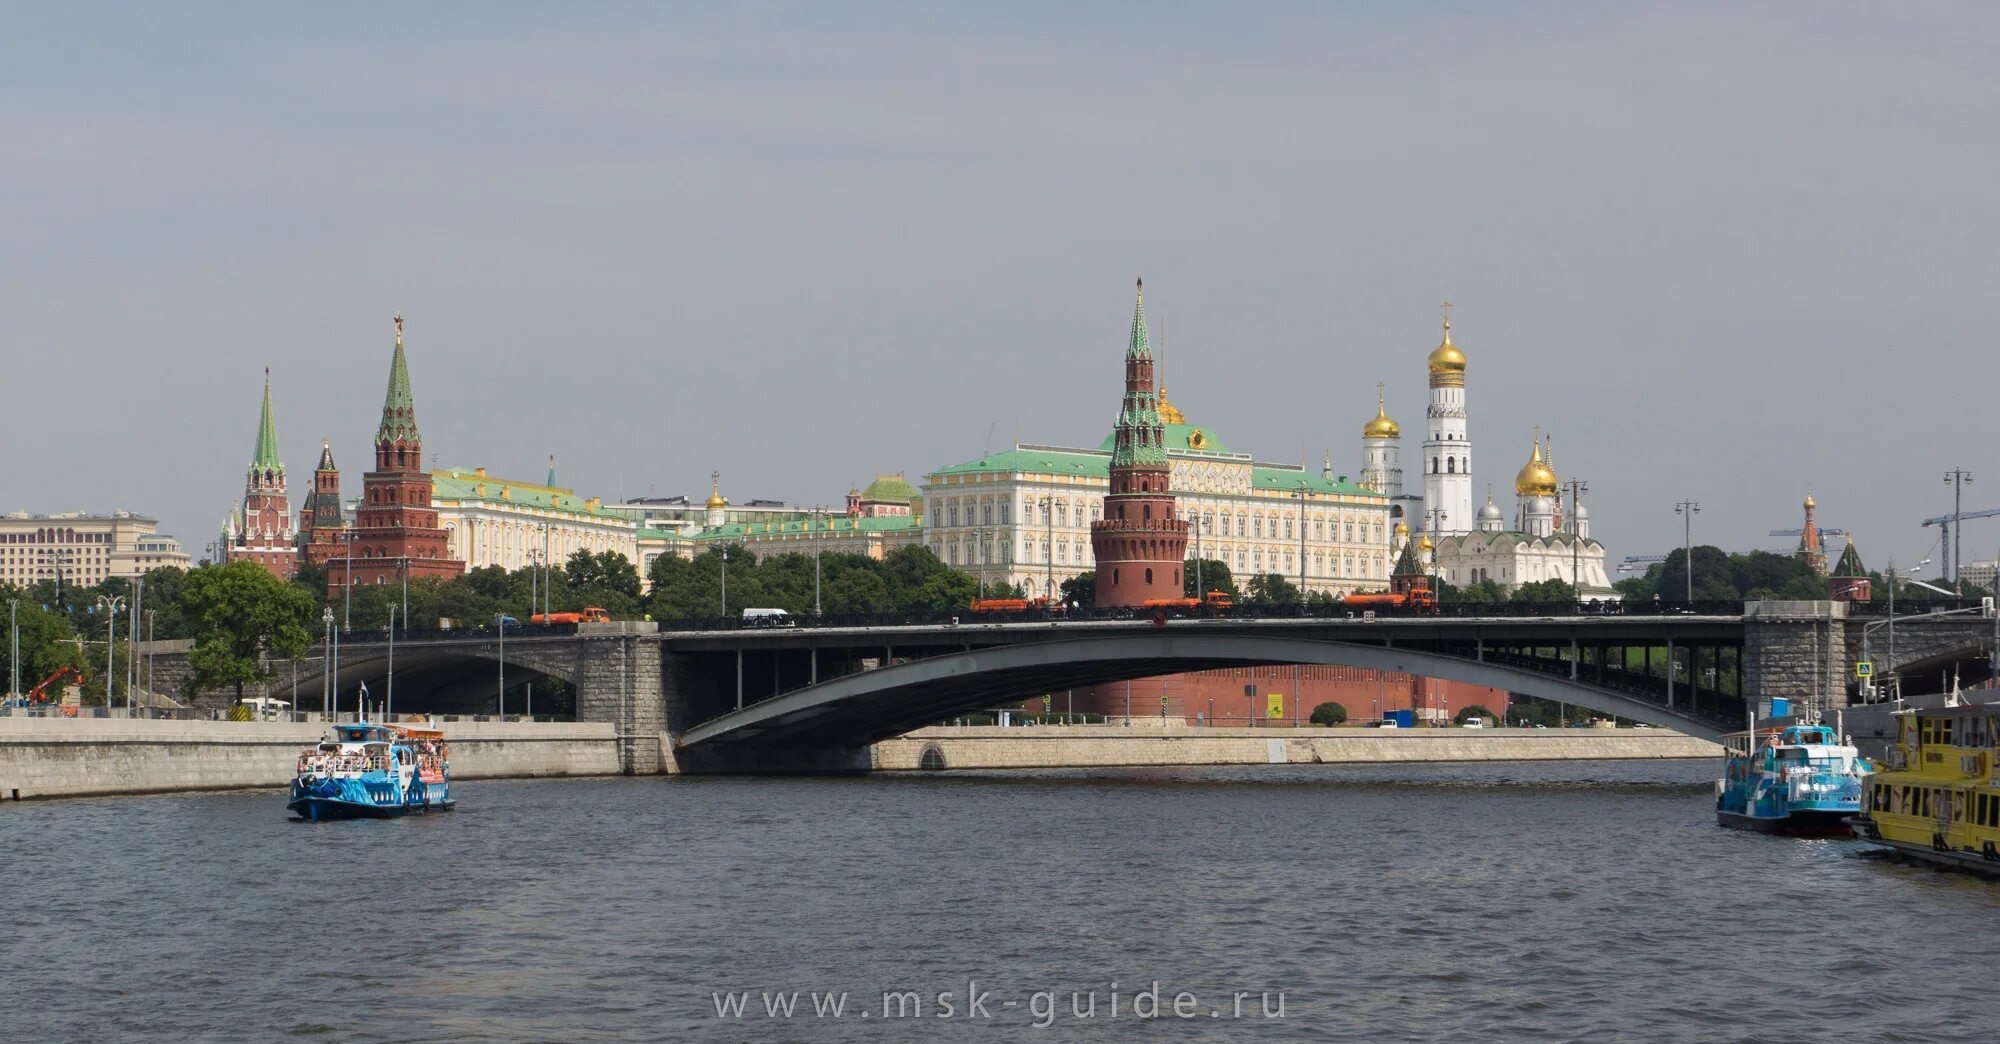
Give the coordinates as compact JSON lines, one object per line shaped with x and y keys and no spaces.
{"x":1139,"y":347}
{"x":399,"y":407}
{"x":266,"y":456}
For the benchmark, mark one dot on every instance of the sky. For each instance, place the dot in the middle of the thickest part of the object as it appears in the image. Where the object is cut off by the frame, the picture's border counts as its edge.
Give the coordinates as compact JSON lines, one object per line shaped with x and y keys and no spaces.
{"x":1728,"y":253}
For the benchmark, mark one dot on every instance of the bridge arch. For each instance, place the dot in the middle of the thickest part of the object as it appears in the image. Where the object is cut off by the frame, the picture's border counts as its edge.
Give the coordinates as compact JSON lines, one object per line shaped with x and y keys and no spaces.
{"x":446,"y":677}
{"x":856,"y":709}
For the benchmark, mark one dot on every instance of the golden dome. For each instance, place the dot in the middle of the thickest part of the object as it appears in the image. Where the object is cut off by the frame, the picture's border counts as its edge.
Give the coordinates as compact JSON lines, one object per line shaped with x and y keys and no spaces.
{"x":1424,"y":542}
{"x":1809,"y":502}
{"x":1169,"y":413}
{"x":1536,"y":478}
{"x":715,"y":497}
{"x":1446,"y":359}
{"x":1381,"y":427}
{"x":1402,"y":529}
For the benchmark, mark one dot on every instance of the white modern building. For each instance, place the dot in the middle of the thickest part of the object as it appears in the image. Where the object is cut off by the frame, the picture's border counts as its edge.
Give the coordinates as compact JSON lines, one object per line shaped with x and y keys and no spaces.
{"x":493,"y":521}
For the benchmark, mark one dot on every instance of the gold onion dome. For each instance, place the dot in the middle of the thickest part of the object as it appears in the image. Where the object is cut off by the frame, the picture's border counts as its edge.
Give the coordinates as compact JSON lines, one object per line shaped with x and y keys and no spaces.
{"x":715,"y":497}
{"x":1446,"y":358}
{"x":1381,"y":427}
{"x":1402,"y":529}
{"x":1424,"y":542}
{"x":1536,"y":478}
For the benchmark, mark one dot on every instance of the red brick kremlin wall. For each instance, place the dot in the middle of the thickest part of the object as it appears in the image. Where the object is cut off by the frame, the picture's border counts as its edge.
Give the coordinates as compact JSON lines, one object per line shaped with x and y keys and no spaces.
{"x":1364,"y":693}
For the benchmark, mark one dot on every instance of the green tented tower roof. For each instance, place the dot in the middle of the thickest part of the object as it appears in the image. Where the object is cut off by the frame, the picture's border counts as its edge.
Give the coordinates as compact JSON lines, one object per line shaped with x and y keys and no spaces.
{"x":399,"y":407}
{"x":266,"y":456}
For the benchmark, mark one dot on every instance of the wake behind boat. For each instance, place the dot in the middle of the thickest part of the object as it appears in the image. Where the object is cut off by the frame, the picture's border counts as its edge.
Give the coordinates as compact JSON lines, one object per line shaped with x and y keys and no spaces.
{"x":1798,"y":779}
{"x":371,"y":769}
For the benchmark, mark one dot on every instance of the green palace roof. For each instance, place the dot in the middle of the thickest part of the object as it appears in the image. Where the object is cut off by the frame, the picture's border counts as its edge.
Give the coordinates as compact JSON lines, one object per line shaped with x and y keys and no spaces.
{"x":1181,"y":438}
{"x":1039,"y":461}
{"x":832,"y":526}
{"x":891,"y":488}
{"x":467,"y":483}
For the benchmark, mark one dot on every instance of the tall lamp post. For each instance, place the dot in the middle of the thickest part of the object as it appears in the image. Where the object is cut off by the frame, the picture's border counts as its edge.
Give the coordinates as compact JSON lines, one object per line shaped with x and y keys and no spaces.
{"x":1687,"y":510}
{"x":14,"y":653}
{"x":500,"y":696}
{"x":1048,"y":506}
{"x":819,"y":527}
{"x":725,"y":581}
{"x":326,"y":663}
{"x":1577,"y":488}
{"x":1436,"y":517}
{"x":389,"y":709}
{"x":347,"y":595}
{"x":1957,"y":479}
{"x":111,"y":604}
{"x":1302,"y":494}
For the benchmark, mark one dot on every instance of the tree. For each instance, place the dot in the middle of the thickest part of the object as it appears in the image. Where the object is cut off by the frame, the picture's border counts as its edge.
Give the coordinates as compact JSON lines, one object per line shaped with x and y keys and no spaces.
{"x":242,"y":617}
{"x":1080,"y":591}
{"x":1481,"y":592}
{"x":1272,"y":589}
{"x":47,"y":643}
{"x":606,"y":571}
{"x":1474,"y":711}
{"x":1215,"y":576}
{"x":1547,"y":591}
{"x":1329,"y":713}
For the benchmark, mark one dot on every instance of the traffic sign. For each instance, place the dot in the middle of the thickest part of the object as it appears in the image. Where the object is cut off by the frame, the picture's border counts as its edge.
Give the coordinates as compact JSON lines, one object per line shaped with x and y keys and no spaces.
{"x":1864,"y":669}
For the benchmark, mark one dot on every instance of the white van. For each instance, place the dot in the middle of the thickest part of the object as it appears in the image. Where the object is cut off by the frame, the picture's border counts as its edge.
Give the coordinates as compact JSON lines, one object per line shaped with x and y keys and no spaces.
{"x":766,"y":618}
{"x":1475,"y":723}
{"x":263,"y":709}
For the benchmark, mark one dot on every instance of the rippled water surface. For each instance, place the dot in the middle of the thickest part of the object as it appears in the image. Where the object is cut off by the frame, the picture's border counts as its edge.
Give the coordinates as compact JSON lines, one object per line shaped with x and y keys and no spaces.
{"x":1574,"y":901}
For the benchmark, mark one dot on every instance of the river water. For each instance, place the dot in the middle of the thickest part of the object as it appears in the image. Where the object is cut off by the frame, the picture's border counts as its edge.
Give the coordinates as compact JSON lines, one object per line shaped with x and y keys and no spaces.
{"x":1484,"y":902}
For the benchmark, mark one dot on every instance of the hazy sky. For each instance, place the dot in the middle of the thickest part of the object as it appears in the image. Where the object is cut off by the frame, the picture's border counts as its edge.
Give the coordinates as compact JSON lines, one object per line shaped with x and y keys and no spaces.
{"x":1722,"y":253}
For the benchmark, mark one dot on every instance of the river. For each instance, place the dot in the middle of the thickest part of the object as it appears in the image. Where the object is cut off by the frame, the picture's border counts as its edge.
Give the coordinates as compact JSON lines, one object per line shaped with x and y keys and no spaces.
{"x":1451,"y":902}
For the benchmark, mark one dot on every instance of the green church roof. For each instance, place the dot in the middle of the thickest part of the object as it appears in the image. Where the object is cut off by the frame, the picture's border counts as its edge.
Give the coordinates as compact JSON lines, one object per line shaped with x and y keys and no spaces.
{"x":266,"y":456}
{"x":1180,"y":438}
{"x":467,"y":484}
{"x":1850,"y":567}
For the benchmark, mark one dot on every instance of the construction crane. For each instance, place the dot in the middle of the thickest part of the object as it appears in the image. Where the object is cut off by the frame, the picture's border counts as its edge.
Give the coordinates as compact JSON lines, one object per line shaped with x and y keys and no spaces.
{"x":1944,"y":523}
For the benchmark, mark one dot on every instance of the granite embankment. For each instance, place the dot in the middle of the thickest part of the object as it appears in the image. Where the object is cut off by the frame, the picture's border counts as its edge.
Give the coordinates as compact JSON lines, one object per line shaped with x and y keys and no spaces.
{"x":74,"y":757}
{"x":1083,"y":746}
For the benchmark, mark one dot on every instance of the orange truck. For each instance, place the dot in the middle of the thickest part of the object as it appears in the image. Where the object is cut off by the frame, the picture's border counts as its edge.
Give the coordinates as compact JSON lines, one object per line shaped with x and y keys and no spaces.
{"x":590,"y":614}
{"x":1214,"y":602}
{"x":1419,"y":599}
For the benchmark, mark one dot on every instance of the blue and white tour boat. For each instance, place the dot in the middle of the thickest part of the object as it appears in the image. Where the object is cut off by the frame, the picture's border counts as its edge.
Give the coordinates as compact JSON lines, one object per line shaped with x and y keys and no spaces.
{"x":1791,"y":779}
{"x":372,"y":769}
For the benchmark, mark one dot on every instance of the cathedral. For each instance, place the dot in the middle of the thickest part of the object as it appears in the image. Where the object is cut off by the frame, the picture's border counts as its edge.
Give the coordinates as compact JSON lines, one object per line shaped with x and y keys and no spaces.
{"x":1465,"y":547}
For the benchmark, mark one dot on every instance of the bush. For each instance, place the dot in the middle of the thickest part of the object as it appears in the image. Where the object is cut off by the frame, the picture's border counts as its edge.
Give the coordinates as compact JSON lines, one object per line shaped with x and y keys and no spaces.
{"x":1329,"y":714}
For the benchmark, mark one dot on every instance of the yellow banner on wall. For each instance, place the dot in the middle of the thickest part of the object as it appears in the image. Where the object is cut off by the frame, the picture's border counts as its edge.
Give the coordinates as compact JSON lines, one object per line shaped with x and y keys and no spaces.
{"x":1274,"y":704}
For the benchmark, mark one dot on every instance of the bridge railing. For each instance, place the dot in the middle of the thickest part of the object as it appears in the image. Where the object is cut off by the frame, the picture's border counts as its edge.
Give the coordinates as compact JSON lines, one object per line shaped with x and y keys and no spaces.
{"x":440,"y":634}
{"x":1241,"y":611}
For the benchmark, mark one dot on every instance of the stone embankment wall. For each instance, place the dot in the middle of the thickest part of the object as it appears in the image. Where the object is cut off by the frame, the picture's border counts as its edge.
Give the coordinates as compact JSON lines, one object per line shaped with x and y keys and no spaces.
{"x":72,"y":757}
{"x":1080,"y":746}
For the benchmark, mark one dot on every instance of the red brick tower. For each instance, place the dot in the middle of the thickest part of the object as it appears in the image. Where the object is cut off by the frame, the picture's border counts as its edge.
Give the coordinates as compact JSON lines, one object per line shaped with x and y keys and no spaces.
{"x":396,"y":533}
{"x":261,"y":531}
{"x":1141,"y":542}
{"x":322,"y":523}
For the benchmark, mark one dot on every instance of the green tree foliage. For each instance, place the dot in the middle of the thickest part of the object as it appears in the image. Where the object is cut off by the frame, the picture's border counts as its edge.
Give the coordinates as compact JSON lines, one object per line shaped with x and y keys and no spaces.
{"x":1474,"y":711}
{"x":47,"y":642}
{"x":1215,"y":576}
{"x":1272,"y":589}
{"x":1482,"y":592}
{"x":242,"y":617}
{"x":1329,"y":713}
{"x":1723,"y":577}
{"x":1545,"y":591}
{"x":1080,"y":590}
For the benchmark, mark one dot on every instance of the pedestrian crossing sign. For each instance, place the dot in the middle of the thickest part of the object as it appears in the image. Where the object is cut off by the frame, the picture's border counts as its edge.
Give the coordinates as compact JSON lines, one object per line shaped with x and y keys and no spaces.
{"x":1864,"y":669}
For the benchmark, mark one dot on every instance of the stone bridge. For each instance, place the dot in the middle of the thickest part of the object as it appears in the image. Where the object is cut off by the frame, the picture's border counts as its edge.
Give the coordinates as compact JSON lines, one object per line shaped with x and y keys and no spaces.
{"x":803,"y":697}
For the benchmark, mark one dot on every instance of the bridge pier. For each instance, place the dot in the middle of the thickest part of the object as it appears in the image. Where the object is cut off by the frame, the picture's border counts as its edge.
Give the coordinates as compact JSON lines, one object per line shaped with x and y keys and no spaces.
{"x":619,"y":679}
{"x":1796,"y":650}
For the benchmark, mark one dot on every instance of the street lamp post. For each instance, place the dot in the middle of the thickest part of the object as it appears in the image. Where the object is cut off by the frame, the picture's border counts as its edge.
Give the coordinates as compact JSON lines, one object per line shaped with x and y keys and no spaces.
{"x":326,"y":663}
{"x":1048,"y":506}
{"x":725,"y":581}
{"x":819,"y":527}
{"x":500,"y":697}
{"x":347,"y":595}
{"x":1577,"y":488}
{"x":1688,"y":509}
{"x":1957,"y":479}
{"x":14,"y":647}
{"x":132,"y":636}
{"x":1302,"y":495}
{"x":389,"y":710}
{"x":336,"y":667}
{"x":1436,"y":517}
{"x":110,"y":604}
{"x":152,"y":635}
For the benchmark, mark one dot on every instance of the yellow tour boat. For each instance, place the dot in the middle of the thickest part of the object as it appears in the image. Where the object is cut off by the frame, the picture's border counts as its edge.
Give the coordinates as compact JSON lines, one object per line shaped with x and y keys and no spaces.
{"x":1938,"y":798}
